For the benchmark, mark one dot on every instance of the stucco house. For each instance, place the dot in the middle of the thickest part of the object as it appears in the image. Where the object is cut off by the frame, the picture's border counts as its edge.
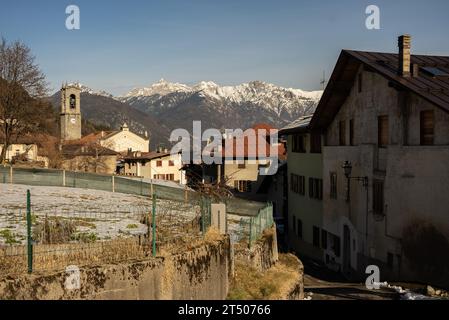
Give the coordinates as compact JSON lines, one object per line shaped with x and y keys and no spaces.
{"x":88,"y":158}
{"x":160,"y":165}
{"x":305,"y":235}
{"x":385,"y":122}
{"x":121,"y":141}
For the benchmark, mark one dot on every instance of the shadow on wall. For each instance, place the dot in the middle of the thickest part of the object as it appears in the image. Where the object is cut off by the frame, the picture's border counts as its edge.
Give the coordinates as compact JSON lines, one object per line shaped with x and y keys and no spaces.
{"x":427,"y":251}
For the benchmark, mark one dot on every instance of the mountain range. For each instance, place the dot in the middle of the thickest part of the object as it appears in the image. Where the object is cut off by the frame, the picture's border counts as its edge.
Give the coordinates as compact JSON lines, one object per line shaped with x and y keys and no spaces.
{"x":164,"y":106}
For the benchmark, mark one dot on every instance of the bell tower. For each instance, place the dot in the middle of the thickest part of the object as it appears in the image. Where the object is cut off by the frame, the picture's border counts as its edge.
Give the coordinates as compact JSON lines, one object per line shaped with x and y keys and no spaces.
{"x":70,"y":113}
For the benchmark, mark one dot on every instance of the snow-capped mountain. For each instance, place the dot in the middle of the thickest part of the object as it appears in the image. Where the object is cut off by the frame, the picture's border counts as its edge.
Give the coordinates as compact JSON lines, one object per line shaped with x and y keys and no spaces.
{"x":165,"y":106}
{"x":285,"y":103}
{"x":86,"y":89}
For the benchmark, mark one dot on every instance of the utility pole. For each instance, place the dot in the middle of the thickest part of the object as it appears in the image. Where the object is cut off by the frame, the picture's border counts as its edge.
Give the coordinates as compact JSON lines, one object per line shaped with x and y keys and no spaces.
{"x":323,"y":80}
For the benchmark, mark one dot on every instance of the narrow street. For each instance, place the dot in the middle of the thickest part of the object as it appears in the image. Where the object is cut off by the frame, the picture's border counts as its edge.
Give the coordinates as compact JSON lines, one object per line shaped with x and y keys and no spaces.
{"x":323,"y":284}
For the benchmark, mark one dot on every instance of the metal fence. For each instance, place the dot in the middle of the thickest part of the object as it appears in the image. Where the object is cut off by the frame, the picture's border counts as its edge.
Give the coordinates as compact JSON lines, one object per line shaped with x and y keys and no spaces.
{"x":49,"y":239}
{"x":250,"y":229}
{"x":113,"y":183}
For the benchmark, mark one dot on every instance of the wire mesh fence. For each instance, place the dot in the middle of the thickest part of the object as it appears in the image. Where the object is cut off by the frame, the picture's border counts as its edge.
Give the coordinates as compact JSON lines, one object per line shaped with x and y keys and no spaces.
{"x":113,"y":183}
{"x":53,"y":236}
{"x":247,"y":230}
{"x":45,"y":240}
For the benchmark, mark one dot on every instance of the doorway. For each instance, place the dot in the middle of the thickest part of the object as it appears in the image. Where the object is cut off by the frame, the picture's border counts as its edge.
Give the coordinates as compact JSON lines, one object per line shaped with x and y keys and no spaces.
{"x":346,"y":250}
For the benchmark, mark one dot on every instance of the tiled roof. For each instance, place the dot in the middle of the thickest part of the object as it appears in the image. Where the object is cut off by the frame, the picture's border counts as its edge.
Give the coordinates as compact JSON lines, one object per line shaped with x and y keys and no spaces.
{"x":147,"y":155}
{"x":298,"y":125}
{"x":434,"y":89}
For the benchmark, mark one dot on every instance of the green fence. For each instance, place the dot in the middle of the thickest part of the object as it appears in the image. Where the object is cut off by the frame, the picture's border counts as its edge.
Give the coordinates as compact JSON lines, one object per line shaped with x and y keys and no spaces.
{"x":163,"y":200}
{"x":136,"y":186}
{"x":40,"y":239}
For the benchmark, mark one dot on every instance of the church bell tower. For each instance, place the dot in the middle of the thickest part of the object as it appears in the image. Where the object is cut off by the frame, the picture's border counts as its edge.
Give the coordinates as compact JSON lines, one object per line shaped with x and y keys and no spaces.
{"x":70,"y":113}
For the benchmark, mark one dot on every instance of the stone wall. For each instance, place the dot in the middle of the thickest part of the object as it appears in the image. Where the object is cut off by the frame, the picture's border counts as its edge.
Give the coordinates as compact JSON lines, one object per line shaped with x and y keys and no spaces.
{"x":263,"y":254}
{"x":199,"y":273}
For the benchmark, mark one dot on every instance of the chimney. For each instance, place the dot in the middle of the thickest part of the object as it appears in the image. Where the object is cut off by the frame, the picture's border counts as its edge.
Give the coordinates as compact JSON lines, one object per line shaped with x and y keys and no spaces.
{"x":404,"y":55}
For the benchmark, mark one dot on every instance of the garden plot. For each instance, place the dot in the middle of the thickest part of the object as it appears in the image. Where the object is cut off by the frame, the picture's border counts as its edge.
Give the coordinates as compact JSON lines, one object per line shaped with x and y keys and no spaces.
{"x":89,"y":214}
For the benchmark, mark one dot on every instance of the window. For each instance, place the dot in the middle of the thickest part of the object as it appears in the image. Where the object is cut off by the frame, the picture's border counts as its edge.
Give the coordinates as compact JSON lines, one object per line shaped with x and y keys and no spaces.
{"x":242,"y":165}
{"x":72,"y":101}
{"x":351,"y":132}
{"x":171,"y":163}
{"x":299,"y":226}
{"x":315,"y":188}
{"x":382,"y":130}
{"x":315,"y":143}
{"x":159,"y":163}
{"x":159,"y":176}
{"x":170,"y":176}
{"x":324,"y":239}
{"x":342,"y":133}
{"x":333,"y":185}
{"x":316,"y":237}
{"x":360,"y":80}
{"x":298,"y":143}
{"x":297,"y":184}
{"x":378,"y":197}
{"x":427,"y":128}
{"x":242,"y":185}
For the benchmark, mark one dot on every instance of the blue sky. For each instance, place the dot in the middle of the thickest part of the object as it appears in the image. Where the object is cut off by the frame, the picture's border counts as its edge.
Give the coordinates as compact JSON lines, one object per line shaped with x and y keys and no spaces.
{"x":123,"y":44}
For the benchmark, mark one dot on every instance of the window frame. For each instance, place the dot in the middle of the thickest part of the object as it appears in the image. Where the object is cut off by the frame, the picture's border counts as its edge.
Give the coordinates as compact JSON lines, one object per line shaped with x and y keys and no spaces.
{"x":383,"y":123}
{"x":426,"y":139}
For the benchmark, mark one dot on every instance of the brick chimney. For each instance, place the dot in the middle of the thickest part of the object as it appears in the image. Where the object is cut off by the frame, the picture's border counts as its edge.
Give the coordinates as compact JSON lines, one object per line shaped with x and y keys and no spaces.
{"x":404,"y":42}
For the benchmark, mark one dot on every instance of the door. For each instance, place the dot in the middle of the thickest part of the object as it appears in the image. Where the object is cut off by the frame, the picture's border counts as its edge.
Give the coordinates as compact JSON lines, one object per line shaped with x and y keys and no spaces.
{"x":346,"y":249}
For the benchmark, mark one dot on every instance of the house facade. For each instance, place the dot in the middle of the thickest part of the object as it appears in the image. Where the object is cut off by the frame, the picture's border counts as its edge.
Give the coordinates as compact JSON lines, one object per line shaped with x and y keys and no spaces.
{"x":25,"y":152}
{"x":88,"y":158}
{"x":385,"y":119}
{"x":305,"y":193}
{"x":155,"y":165}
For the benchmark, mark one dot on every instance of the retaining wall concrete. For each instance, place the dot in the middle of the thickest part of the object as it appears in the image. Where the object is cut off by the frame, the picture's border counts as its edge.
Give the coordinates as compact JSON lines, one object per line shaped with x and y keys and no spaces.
{"x":199,"y":273}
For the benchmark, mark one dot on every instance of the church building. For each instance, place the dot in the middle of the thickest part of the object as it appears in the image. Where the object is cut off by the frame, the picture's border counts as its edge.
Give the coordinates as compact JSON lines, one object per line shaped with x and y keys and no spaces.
{"x":97,"y":152}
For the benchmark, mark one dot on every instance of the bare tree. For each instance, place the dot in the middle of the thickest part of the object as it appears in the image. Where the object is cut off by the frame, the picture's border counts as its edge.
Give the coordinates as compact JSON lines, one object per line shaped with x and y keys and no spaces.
{"x":22,"y":87}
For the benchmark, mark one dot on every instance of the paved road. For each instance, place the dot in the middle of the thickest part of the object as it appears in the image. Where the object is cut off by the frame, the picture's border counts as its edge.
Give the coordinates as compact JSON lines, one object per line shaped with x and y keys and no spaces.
{"x":322,"y":284}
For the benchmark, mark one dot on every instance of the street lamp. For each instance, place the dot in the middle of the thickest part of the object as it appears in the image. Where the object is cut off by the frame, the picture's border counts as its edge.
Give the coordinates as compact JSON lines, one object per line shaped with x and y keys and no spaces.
{"x":347,"y":167}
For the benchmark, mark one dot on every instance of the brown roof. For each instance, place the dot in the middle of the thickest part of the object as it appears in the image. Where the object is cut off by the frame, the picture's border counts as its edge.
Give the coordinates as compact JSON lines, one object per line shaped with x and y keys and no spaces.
{"x":147,"y":156}
{"x":249,"y":148}
{"x":434,"y":89}
{"x":73,"y":150}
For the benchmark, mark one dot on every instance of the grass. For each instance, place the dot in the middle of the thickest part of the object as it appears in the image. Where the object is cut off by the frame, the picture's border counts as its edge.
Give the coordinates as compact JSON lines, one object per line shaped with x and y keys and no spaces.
{"x":10,"y":238}
{"x":251,"y":284}
{"x":85,"y":237}
{"x":132,"y":226}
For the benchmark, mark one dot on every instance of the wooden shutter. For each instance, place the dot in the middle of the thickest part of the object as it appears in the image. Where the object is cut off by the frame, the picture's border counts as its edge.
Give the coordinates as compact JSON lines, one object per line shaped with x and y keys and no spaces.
{"x":342,"y":133}
{"x":427,"y":127}
{"x":382,"y":126}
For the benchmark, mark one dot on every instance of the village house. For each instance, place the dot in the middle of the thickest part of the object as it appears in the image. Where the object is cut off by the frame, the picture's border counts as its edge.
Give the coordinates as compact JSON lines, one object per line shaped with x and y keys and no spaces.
{"x":305,"y":235}
{"x":240,"y":170}
{"x":385,"y":121}
{"x":89,"y":158}
{"x":25,"y":151}
{"x":159,"y":165}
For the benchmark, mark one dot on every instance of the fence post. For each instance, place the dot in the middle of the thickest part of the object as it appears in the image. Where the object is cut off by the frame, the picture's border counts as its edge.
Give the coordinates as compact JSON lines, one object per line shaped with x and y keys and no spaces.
{"x":153,"y":224}
{"x":250,"y":231}
{"x":113,"y":183}
{"x":63,"y":178}
{"x":10,"y":174}
{"x":203,"y":216}
{"x":29,"y":240}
